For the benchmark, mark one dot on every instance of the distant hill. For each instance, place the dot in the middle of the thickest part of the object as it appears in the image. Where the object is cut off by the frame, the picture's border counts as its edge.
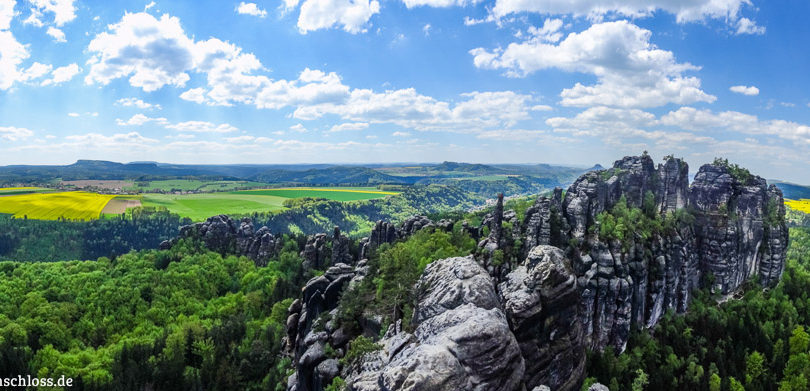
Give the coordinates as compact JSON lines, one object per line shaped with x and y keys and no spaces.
{"x":331,"y":175}
{"x":793,"y":191}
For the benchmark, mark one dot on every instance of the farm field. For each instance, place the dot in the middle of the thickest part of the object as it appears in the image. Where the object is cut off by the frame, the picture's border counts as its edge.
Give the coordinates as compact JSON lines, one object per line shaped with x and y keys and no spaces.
{"x":802,"y":205}
{"x":336,"y":194}
{"x":53,"y":206}
{"x":4,"y":191}
{"x":191,"y":185}
{"x":199,"y":207}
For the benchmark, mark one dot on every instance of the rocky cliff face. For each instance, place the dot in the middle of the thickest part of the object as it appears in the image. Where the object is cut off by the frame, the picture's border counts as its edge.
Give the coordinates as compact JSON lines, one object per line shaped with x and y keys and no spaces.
{"x":225,"y":236}
{"x":521,"y":317}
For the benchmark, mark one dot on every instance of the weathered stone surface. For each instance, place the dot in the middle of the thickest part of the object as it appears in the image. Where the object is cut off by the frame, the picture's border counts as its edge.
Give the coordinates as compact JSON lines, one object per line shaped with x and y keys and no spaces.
{"x":413,"y":224}
{"x":739,"y":229}
{"x":314,"y":254}
{"x":223,"y":235}
{"x":540,"y":298}
{"x":462,"y":339}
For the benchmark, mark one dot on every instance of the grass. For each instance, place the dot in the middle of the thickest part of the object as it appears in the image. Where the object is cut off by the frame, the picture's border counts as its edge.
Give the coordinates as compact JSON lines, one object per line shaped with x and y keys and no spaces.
{"x":75,"y":205}
{"x":199,"y":207}
{"x":802,"y":205}
{"x":332,"y":193}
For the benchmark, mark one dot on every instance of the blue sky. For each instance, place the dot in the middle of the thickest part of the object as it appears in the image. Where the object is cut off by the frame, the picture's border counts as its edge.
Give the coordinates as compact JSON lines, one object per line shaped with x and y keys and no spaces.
{"x":352,"y":81}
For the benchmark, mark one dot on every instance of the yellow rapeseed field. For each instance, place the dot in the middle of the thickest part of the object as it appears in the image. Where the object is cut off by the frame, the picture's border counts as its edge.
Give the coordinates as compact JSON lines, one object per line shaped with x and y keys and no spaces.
{"x":73,"y":205}
{"x":802,"y":205}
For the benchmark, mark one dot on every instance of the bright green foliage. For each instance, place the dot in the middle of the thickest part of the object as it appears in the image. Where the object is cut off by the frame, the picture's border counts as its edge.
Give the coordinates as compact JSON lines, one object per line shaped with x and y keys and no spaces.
{"x":641,"y":381}
{"x":338,"y":384}
{"x":754,"y":369}
{"x":734,"y":385}
{"x":358,"y":348}
{"x":175,"y":319}
{"x":739,"y":173}
{"x":715,"y":382}
{"x":394,"y":270}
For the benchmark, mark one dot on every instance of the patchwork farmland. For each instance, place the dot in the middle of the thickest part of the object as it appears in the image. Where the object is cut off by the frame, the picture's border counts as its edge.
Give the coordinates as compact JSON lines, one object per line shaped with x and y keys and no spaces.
{"x":74,"y":205}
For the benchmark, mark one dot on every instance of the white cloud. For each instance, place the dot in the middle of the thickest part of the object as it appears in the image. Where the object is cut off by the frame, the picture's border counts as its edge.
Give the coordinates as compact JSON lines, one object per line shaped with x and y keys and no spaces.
{"x":57,"y":34}
{"x":349,"y":126}
{"x":118,"y":140}
{"x":630,"y":70}
{"x":401,"y":134}
{"x":745,"y":90}
{"x":63,"y":10}
{"x":135,"y":102}
{"x":201,"y":127}
{"x":351,"y":15}
{"x":684,"y":11}
{"x":35,"y":71}
{"x":299,"y":128}
{"x":437,"y":3}
{"x":140,"y":119}
{"x":196,"y":95}
{"x":152,"y":52}
{"x":10,"y":133}
{"x":150,"y":5}
{"x":183,"y":127}
{"x":12,"y":54}
{"x":74,"y":115}
{"x":748,"y":26}
{"x":550,"y":32}
{"x":250,"y":9}
{"x":6,"y":13}
{"x":542,"y":108}
{"x":62,"y":74}
{"x":703,"y":120}
{"x":426,"y":29}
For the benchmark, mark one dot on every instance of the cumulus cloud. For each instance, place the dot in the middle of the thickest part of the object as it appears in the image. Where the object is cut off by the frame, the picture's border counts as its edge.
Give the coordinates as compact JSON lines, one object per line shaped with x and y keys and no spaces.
{"x":351,"y":15}
{"x":151,"y":52}
{"x":135,"y":102}
{"x":10,"y":133}
{"x":630,"y":70}
{"x":748,"y":26}
{"x":745,"y":90}
{"x":704,"y":120}
{"x":62,"y":74}
{"x":437,"y":3}
{"x":12,"y":54}
{"x":140,"y":119}
{"x":118,"y":140}
{"x":349,"y":126}
{"x":183,"y":127}
{"x":63,"y":10}
{"x":684,"y":11}
{"x":250,"y":9}
{"x":57,"y":34}
{"x":6,"y":13}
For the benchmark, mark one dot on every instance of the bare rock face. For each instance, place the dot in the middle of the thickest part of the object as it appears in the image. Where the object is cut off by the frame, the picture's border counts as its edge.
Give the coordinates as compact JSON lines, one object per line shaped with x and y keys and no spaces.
{"x":223,"y":235}
{"x":305,"y":342}
{"x":462,"y":339}
{"x":740,"y":227}
{"x":543,"y":223}
{"x":731,"y":228}
{"x":341,"y":251}
{"x":413,"y":225}
{"x":540,"y":298}
{"x":315,"y":252}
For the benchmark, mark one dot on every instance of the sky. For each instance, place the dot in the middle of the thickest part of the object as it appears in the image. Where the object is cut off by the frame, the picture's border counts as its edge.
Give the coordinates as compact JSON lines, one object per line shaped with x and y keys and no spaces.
{"x":368,"y":81}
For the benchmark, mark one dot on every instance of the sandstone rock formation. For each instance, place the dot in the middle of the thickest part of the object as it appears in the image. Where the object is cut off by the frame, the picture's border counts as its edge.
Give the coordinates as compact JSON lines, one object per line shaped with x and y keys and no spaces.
{"x":225,"y":236}
{"x":525,"y":321}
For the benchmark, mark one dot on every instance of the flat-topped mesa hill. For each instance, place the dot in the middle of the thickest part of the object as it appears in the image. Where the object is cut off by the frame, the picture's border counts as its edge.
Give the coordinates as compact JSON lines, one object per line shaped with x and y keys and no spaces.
{"x":576,"y":271}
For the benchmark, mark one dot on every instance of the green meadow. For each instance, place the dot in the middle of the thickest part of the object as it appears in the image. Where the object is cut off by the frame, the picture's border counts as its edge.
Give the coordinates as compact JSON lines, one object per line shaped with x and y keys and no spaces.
{"x":199,"y":207}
